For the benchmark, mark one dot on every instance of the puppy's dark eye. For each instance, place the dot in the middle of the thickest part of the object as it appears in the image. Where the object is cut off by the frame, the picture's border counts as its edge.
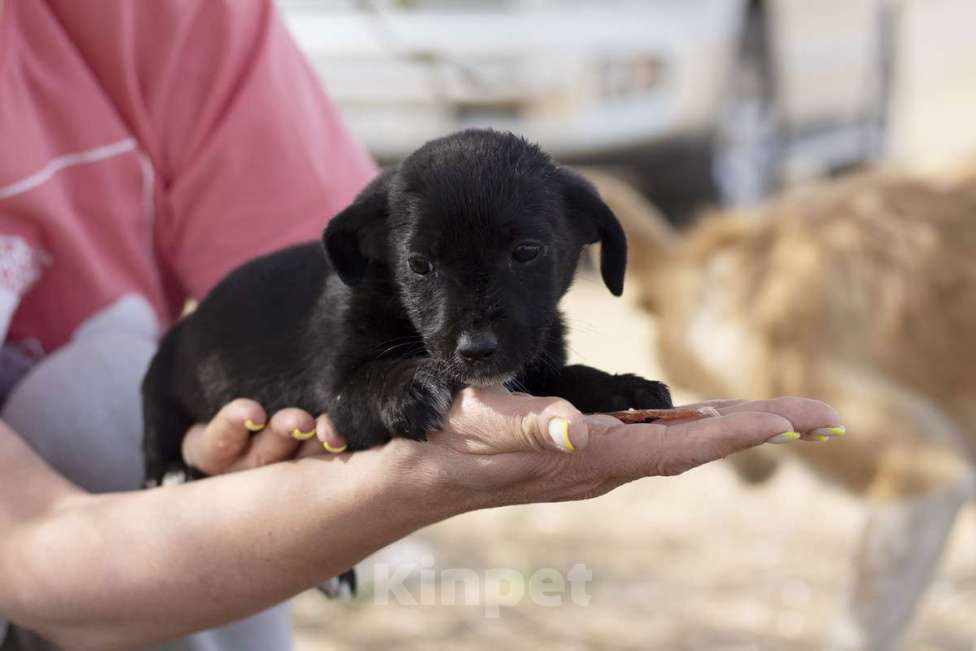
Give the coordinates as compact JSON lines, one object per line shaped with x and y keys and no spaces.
{"x":526,"y":252}
{"x":420,"y":265}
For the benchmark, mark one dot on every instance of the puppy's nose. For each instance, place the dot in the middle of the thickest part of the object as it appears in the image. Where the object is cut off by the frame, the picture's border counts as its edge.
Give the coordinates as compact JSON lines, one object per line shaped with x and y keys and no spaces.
{"x":477,"y":347}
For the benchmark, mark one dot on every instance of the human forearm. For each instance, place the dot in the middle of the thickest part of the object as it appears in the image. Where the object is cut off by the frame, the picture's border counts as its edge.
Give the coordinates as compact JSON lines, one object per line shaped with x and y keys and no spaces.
{"x":122,"y":570}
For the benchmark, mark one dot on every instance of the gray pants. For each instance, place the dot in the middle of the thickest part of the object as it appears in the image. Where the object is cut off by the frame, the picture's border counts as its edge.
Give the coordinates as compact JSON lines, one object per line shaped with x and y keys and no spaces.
{"x":79,"y":408}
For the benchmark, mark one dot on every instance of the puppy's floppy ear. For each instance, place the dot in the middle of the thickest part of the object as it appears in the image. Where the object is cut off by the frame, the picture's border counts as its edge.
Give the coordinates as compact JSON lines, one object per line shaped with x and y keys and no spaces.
{"x":357,"y":234}
{"x":593,"y":220}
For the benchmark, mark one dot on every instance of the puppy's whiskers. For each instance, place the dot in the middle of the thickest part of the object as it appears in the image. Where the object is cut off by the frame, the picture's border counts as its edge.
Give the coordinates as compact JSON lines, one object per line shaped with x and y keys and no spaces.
{"x":514,"y":384}
{"x":491,"y":380}
{"x":405,"y":350}
{"x":408,"y":345}
{"x":580,"y":325}
{"x":546,"y":359}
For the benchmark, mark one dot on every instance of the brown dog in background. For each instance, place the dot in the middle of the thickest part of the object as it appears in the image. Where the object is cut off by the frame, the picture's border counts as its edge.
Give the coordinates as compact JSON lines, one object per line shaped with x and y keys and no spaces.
{"x":860,"y":292}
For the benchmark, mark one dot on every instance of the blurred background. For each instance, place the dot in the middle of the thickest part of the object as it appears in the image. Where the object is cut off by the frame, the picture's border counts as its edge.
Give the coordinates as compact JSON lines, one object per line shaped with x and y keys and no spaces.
{"x":698,"y":105}
{"x":707,"y":101}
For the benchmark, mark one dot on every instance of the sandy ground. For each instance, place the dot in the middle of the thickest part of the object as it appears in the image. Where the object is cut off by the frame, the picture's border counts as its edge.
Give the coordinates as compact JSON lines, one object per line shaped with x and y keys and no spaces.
{"x":694,"y":562}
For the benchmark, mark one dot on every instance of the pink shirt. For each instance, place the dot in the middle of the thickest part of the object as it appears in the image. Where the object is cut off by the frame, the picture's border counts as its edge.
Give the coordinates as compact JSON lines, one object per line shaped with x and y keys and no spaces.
{"x":150,"y":147}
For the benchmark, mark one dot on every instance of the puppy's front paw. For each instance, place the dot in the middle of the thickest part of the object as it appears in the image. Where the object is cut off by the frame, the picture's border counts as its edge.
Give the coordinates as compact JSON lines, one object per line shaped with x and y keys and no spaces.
{"x":629,"y":391}
{"x":420,"y":410}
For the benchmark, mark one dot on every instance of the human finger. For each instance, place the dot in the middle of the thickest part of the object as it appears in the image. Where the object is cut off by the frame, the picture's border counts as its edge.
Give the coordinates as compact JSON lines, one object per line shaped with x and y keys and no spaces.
{"x":213,"y":448}
{"x":328,"y":438}
{"x":810,"y":418}
{"x":633,"y":451}
{"x":279,"y":440}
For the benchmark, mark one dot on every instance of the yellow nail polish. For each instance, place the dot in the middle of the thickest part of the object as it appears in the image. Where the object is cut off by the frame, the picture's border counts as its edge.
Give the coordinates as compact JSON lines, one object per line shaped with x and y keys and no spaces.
{"x":785,"y":437}
{"x":559,"y":433}
{"x":838,"y":430}
{"x":325,"y":444}
{"x":252,"y":426}
{"x":302,"y":436}
{"x":822,"y":438}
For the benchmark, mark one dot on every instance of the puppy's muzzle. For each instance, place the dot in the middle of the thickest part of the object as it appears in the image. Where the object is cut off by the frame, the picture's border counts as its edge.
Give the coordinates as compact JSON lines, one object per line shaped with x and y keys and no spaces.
{"x":477,"y":348}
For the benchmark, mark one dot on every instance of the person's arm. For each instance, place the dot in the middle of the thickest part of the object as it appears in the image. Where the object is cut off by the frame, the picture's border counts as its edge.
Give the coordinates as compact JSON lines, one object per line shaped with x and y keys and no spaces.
{"x":121,"y":570}
{"x":134,"y":568}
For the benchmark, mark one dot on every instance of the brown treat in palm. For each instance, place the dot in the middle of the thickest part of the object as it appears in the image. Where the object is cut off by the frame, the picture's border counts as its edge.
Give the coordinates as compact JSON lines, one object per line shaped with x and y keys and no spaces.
{"x":651,"y":415}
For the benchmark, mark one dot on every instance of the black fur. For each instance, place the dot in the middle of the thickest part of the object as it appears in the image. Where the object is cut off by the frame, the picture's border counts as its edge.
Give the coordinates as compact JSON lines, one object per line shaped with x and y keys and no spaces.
{"x":427,"y":284}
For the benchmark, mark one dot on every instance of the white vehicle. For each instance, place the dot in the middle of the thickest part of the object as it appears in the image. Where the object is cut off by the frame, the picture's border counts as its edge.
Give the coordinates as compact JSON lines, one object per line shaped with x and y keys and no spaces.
{"x":766,"y":90}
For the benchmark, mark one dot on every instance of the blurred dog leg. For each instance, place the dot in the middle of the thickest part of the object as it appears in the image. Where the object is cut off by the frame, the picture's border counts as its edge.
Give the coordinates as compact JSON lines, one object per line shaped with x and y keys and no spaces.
{"x":900,"y":546}
{"x":756,"y":465}
{"x":907,"y":458}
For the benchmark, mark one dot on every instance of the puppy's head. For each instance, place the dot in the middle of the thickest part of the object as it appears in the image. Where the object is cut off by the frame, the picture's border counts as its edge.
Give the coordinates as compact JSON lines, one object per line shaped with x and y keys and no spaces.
{"x":481,"y":233}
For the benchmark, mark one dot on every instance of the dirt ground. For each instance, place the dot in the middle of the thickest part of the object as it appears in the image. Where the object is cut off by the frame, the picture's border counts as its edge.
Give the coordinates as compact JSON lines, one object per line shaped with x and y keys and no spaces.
{"x":688,"y":563}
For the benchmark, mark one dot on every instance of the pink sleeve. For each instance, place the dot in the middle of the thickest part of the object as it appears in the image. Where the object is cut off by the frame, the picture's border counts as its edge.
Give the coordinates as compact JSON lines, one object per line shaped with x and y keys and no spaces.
{"x":249,"y":153}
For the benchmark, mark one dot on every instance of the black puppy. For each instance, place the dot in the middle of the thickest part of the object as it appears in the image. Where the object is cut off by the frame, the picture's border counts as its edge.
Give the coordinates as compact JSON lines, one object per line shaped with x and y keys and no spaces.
{"x":446,"y":271}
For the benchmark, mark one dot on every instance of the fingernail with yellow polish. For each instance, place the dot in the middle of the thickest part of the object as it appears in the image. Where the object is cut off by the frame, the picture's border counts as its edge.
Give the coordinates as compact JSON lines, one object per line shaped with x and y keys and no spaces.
{"x":325,"y":444}
{"x":252,"y":426}
{"x":821,"y":438}
{"x":785,"y":437}
{"x":302,"y":436}
{"x":559,"y":433}
{"x":839,"y":430}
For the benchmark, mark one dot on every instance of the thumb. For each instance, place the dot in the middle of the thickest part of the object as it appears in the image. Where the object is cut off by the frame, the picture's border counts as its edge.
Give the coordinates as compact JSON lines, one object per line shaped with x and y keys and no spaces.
{"x":491,"y":420}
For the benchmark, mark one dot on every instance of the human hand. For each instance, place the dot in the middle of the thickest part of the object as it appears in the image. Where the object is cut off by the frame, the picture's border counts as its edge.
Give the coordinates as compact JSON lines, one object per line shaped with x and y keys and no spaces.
{"x":499,"y":448}
{"x":239,"y":438}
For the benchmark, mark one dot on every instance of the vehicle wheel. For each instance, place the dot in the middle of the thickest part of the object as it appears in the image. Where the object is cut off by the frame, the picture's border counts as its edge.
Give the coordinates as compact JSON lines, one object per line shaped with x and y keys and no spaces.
{"x":746,"y":148}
